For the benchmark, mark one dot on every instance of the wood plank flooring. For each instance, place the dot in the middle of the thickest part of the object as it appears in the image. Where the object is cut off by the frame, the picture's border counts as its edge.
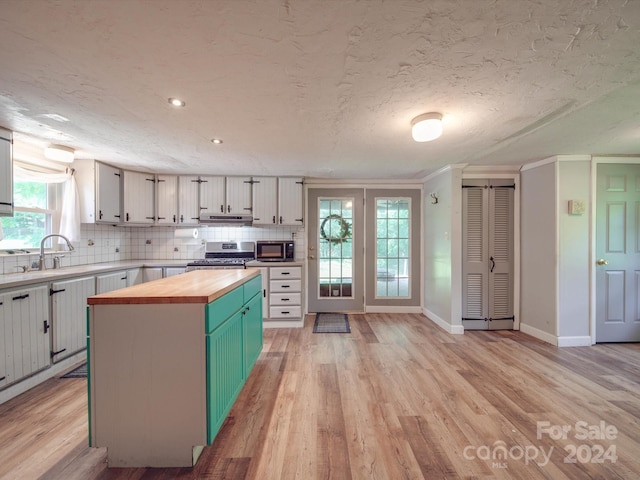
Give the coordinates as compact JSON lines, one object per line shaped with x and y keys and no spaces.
{"x":397,"y":398}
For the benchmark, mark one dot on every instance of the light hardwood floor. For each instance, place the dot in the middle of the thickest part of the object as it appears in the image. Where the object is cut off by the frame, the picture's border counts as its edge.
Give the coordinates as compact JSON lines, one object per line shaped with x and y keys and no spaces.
{"x":397,"y":398}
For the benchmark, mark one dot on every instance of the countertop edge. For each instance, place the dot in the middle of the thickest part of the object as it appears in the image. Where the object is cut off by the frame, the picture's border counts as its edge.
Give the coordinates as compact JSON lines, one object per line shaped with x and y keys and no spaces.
{"x":117,"y":297}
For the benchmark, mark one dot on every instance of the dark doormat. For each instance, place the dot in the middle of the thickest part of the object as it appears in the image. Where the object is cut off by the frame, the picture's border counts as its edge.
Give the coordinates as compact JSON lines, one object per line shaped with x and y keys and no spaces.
{"x":331,"y":323}
{"x":77,"y":372}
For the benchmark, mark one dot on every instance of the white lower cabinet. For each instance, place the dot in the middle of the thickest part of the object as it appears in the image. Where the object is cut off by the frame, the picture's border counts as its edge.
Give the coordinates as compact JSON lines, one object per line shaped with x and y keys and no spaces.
{"x":285,"y":298}
{"x":25,"y":333}
{"x":111,"y":281}
{"x":69,"y":314}
{"x":171,"y":271}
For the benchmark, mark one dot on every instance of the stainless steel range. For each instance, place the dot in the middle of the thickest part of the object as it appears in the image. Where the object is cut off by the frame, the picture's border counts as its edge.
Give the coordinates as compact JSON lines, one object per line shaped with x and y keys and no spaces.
{"x":225,"y":255}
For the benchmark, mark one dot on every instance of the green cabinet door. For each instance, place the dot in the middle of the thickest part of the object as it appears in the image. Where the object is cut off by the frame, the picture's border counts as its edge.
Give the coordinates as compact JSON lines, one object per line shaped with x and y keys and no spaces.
{"x":225,"y":372}
{"x":252,"y":332}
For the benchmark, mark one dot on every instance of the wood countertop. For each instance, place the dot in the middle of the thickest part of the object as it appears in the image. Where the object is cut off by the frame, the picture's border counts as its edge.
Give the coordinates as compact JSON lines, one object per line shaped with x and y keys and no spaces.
{"x":198,"y":286}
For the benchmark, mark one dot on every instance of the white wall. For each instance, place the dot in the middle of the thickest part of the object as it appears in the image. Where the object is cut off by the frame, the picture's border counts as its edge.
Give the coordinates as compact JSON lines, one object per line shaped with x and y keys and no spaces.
{"x":555,"y":251}
{"x":442,"y":249}
{"x":538,"y":252}
{"x":574,"y":183}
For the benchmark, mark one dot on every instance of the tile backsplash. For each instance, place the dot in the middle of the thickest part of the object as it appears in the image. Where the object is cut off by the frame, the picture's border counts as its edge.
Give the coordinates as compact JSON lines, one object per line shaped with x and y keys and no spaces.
{"x":106,"y":243}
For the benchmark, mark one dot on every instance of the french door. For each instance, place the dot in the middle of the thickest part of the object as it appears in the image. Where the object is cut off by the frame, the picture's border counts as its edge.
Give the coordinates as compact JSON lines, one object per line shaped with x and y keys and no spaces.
{"x":336,"y":250}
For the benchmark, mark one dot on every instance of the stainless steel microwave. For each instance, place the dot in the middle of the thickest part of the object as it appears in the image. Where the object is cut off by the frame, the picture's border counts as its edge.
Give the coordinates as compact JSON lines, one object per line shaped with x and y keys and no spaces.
{"x":274,"y":250}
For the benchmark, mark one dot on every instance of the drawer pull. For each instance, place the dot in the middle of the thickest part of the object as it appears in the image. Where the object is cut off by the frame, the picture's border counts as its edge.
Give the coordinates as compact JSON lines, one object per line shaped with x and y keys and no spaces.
{"x":285,"y":286}
{"x":21,"y":297}
{"x":285,"y":273}
{"x":284,"y":299}
{"x":285,"y":312}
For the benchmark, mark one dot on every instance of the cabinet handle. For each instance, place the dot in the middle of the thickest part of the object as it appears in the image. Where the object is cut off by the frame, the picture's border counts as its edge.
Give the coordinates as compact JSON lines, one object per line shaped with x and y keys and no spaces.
{"x":174,"y":219}
{"x":53,"y":292}
{"x":151,"y":218}
{"x":127,"y":217}
{"x":181,"y":218}
{"x":286,"y":286}
{"x":285,"y":299}
{"x":298,"y":220}
{"x":286,"y":312}
{"x":117,"y":216}
{"x":21,"y":297}
{"x":264,"y":294}
{"x":123,"y":278}
{"x":280,"y":219}
{"x":53,"y":354}
{"x":274,"y":219}
{"x":285,"y":273}
{"x":228,"y":208}
{"x":221,"y":208}
{"x":6,"y":203}
{"x":46,"y":326}
{"x":100,"y":214}
{"x":2,"y":378}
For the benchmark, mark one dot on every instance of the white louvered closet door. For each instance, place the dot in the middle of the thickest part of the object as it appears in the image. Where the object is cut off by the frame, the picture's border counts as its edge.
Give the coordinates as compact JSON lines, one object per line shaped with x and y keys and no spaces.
{"x":488,"y":255}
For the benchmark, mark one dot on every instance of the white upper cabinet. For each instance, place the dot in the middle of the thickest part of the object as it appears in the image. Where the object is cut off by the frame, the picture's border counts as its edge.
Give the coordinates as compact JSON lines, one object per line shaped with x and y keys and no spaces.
{"x":139,"y":191}
{"x":290,"y":201}
{"x":6,"y":173}
{"x":188,"y":199}
{"x":212,"y":198}
{"x":167,"y":200}
{"x":100,"y":189}
{"x":265,"y":200}
{"x":238,"y":195}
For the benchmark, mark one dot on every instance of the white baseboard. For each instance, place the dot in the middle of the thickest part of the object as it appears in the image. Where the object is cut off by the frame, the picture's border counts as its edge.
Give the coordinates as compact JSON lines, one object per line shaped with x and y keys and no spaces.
{"x":390,"y":309}
{"x":446,"y":326}
{"x":539,"y":334}
{"x":584,"y":341}
{"x":53,"y":371}
{"x":283,"y":323}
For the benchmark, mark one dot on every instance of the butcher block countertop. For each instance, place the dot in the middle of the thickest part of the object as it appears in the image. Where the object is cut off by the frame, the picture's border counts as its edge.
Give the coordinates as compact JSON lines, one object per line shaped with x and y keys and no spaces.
{"x":198,"y":286}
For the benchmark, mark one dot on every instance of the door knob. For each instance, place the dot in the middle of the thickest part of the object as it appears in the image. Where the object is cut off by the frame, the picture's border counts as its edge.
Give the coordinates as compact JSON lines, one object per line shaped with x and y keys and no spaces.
{"x":311,"y":257}
{"x":602,"y":261}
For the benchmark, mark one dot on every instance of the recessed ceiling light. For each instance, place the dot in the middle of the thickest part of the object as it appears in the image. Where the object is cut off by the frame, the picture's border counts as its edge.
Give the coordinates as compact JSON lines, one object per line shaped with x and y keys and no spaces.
{"x":176,"y":102}
{"x":217,"y":141}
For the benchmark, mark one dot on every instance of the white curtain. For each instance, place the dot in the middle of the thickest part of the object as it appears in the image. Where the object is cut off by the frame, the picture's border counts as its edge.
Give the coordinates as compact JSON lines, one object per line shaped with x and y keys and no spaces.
{"x":70,"y":213}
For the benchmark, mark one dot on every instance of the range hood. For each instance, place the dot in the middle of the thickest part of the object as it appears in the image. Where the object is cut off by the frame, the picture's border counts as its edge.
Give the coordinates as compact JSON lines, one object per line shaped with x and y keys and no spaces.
{"x":230,"y":220}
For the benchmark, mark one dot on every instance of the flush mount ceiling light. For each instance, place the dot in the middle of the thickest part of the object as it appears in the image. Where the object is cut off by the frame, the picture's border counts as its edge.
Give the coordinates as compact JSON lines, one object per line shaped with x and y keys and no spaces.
{"x":426,"y":127}
{"x":59,"y":153}
{"x":217,"y":141}
{"x":176,"y":102}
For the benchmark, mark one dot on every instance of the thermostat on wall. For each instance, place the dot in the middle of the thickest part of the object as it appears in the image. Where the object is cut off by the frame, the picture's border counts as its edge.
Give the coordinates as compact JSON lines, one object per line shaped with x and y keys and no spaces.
{"x":576,"y":207}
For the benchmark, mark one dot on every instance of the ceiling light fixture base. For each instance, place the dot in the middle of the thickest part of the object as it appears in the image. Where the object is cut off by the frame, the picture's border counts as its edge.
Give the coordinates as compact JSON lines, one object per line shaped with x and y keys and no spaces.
{"x":60,"y":153}
{"x":426,"y":127}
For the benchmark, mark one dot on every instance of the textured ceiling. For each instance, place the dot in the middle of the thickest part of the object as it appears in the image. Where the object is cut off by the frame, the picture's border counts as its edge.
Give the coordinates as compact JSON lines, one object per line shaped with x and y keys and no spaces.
{"x":321,"y":88}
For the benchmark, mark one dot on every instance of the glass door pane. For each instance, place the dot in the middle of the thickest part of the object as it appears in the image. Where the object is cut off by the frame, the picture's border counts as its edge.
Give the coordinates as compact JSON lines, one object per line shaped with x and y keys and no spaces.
{"x":393,"y":256}
{"x":335,"y":247}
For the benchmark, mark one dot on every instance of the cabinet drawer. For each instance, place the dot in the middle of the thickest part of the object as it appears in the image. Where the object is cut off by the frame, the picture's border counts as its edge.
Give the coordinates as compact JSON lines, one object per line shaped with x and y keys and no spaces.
{"x":285,"y":285}
{"x":285,"y":312}
{"x":284,"y":299}
{"x":252,"y":288}
{"x":222,"y":308}
{"x":277,"y":273}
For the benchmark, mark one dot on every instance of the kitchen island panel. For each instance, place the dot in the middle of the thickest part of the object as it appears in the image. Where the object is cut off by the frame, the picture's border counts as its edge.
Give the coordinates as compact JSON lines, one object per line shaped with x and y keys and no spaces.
{"x":148,"y":382}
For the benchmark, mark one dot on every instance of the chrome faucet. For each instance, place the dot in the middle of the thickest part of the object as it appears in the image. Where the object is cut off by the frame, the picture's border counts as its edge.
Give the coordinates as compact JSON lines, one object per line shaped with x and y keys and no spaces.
{"x":41,"y":263}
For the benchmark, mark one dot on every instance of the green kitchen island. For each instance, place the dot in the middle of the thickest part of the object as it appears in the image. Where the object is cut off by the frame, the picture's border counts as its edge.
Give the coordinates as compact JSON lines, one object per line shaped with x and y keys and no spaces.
{"x":167,"y":360}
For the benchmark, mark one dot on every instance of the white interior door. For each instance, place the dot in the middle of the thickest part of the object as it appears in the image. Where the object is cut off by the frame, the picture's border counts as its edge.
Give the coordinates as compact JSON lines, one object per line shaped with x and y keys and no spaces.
{"x":335,"y":250}
{"x":618,"y":253}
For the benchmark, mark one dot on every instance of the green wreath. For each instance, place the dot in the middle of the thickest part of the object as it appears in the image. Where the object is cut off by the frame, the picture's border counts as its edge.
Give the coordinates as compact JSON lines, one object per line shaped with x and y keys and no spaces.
{"x":345,"y":231}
